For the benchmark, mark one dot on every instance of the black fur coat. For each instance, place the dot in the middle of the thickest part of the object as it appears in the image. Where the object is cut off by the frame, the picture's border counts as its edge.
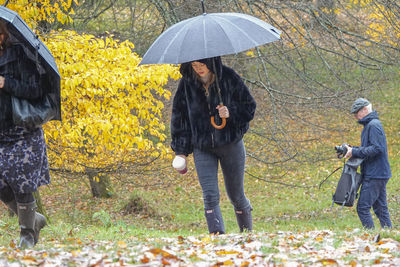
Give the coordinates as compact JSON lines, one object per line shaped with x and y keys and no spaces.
{"x":191,"y":111}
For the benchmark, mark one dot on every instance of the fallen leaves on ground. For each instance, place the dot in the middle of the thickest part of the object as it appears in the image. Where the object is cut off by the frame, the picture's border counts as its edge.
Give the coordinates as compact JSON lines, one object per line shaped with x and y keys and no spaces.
{"x":316,"y":248}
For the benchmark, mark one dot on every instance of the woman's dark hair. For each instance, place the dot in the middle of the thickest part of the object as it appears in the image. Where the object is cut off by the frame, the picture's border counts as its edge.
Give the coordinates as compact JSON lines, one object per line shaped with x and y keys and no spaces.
{"x":4,"y":30}
{"x":214,"y":64}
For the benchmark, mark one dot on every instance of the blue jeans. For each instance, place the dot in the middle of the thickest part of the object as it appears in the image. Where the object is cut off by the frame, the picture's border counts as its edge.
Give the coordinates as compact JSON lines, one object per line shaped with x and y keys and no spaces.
{"x":373,"y":194}
{"x":232,"y":158}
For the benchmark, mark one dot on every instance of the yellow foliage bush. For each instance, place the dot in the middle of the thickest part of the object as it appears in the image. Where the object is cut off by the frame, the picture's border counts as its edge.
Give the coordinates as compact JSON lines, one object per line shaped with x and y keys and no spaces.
{"x":111,"y":107}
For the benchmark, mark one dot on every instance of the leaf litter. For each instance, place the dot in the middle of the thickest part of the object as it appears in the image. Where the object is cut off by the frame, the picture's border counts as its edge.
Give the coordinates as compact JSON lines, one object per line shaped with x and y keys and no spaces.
{"x":313,"y":248}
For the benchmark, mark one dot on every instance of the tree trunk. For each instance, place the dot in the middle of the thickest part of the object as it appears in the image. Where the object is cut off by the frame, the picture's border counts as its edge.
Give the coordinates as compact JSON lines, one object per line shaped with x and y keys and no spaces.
{"x":100,"y":184}
{"x":40,"y":207}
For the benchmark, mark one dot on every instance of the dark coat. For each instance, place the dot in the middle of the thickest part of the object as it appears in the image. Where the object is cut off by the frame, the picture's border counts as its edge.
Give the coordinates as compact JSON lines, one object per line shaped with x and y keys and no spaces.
{"x":191,"y":111}
{"x":22,"y":80}
{"x":373,"y":149}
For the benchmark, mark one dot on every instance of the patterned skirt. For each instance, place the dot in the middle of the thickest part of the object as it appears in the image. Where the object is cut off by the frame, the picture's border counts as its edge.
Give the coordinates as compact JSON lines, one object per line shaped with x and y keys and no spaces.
{"x":23,"y":159}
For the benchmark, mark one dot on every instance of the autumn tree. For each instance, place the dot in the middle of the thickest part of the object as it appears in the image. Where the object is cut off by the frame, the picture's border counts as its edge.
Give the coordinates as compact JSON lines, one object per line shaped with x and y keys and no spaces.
{"x":111,"y":107}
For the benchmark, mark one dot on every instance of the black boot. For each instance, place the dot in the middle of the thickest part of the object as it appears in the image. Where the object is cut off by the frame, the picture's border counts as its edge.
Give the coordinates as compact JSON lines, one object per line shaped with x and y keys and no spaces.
{"x":7,"y":197}
{"x":26,"y":219}
{"x":214,"y":221}
{"x":12,"y":206}
{"x":244,"y":219}
{"x":40,"y":220}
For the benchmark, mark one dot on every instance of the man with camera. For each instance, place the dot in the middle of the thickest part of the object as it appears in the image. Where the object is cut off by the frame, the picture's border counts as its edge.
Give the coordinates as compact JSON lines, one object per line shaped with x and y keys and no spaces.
{"x":375,"y":168}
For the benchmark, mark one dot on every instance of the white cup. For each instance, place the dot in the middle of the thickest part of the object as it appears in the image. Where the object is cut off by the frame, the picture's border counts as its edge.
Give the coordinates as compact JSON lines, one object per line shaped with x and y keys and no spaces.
{"x":179,"y":164}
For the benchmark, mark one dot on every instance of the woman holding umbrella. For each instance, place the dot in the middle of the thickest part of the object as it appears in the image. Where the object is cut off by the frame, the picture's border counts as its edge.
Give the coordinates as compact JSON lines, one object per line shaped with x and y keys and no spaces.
{"x":204,"y":86}
{"x":23,"y":156}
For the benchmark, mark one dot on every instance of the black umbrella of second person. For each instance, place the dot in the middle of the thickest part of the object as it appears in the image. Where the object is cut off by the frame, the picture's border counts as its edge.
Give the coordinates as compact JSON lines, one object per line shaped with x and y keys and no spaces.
{"x":207,"y":36}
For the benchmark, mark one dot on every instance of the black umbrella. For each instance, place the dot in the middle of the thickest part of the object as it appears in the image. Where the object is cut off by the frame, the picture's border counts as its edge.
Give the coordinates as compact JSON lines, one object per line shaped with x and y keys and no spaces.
{"x":207,"y":36}
{"x":37,"y":50}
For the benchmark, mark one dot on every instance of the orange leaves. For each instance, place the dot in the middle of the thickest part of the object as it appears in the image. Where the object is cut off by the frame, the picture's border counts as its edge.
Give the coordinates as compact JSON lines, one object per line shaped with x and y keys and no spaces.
{"x":122,"y":244}
{"x":12,"y":244}
{"x":145,"y":260}
{"x":353,"y":263}
{"x":164,"y":257}
{"x":164,"y":254}
{"x":29,"y":260}
{"x":224,"y":263}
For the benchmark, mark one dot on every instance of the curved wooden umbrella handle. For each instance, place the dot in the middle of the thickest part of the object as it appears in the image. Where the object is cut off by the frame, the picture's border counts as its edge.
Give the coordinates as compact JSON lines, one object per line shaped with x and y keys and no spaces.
{"x":219,"y":127}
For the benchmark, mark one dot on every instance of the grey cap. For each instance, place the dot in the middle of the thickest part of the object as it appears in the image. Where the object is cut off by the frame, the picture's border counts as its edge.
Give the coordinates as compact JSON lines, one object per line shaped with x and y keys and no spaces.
{"x":359,"y":104}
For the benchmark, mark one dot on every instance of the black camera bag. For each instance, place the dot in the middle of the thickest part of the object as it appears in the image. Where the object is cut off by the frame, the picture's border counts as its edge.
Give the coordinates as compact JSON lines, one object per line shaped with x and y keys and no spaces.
{"x":348,"y":185}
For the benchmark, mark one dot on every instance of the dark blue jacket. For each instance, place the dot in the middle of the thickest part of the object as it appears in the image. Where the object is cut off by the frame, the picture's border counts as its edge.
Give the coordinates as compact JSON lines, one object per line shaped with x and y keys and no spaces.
{"x":191,"y":111}
{"x":373,"y":149}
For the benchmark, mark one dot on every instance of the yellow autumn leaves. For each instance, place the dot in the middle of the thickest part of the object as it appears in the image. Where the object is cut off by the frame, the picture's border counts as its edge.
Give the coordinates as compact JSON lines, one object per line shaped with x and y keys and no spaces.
{"x":380,"y":28}
{"x":33,"y":11}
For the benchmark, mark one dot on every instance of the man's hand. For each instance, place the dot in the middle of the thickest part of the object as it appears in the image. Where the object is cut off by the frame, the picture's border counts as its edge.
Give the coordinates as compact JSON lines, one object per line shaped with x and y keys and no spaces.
{"x":349,"y":152}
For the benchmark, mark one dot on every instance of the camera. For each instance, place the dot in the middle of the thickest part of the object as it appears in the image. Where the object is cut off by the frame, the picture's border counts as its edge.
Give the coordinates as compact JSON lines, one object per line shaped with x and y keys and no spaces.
{"x":341,"y":150}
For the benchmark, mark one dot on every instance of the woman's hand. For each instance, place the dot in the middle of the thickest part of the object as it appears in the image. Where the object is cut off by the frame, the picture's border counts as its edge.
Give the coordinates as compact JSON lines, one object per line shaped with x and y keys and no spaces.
{"x":182,"y":156}
{"x":2,"y":79}
{"x":223,"y":111}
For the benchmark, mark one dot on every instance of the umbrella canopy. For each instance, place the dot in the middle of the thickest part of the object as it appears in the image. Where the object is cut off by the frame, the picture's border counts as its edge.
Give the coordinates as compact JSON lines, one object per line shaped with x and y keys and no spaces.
{"x":209,"y":35}
{"x":35,"y":49}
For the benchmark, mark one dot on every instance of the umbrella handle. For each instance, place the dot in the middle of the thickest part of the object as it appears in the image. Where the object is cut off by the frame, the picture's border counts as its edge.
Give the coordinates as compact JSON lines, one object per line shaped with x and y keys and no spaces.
{"x":219,"y":127}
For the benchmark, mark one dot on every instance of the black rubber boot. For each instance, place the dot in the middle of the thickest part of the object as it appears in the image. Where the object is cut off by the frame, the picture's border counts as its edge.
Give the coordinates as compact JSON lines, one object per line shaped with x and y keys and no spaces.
{"x":26,"y":219}
{"x":7,"y":197}
{"x":214,"y":221}
{"x":12,"y":206}
{"x":244,"y":219}
{"x":40,"y":220}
